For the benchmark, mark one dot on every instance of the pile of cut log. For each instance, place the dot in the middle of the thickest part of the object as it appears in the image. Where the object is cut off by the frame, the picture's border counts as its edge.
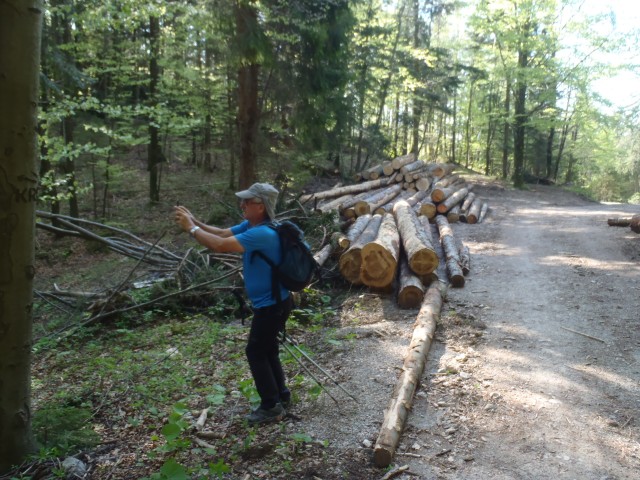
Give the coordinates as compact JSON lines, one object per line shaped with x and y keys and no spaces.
{"x":401,"y":234}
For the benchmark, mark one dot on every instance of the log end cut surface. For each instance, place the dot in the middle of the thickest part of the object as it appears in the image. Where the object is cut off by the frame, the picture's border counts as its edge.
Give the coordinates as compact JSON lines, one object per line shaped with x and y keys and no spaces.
{"x":379,"y":266}
{"x":424,"y":261}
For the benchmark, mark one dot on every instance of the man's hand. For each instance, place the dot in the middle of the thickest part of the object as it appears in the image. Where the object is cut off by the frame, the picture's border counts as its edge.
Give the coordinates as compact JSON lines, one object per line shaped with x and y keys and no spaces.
{"x":183,"y":218}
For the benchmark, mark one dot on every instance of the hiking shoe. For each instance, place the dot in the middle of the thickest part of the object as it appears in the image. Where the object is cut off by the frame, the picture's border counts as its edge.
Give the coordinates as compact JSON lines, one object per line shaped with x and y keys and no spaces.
{"x":266,"y":415}
{"x":286,"y":403}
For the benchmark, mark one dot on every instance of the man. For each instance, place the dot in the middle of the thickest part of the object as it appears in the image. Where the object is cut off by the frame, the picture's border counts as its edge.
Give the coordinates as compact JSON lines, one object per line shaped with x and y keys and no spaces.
{"x":269,"y":317}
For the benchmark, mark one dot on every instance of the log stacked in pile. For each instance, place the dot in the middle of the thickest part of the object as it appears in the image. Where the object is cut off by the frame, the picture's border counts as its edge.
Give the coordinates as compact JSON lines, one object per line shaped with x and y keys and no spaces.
{"x":402,"y":233}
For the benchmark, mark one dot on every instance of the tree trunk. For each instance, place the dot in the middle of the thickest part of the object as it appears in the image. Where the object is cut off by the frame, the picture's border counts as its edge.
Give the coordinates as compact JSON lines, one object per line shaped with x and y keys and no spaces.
{"x":351,"y":261}
{"x":354,"y":232}
{"x":421,"y":256}
{"x":154,"y":152}
{"x":454,"y":199}
{"x":452,"y":257}
{"x":414,"y":362}
{"x":380,"y":257}
{"x":248,"y":114}
{"x":337,"y":192}
{"x":20,"y":23}
{"x":411,"y":290}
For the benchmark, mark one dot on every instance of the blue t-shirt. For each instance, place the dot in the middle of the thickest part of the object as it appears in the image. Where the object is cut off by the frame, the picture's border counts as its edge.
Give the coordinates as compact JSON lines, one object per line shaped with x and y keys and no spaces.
{"x":257,"y":272}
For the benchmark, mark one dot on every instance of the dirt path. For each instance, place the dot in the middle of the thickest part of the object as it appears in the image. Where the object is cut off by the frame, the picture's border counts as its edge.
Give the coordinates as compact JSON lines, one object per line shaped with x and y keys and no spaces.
{"x":514,"y":387}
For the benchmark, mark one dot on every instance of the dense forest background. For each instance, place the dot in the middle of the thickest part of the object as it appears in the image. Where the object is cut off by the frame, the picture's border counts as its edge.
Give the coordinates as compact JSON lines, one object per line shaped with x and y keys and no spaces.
{"x":248,"y":88}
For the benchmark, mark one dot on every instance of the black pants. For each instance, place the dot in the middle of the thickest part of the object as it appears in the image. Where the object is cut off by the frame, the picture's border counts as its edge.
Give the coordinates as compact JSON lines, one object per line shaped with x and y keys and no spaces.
{"x":263,"y":352}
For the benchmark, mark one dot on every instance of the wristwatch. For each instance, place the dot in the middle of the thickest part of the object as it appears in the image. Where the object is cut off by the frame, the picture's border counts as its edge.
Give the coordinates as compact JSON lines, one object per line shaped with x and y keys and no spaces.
{"x":193,"y":231}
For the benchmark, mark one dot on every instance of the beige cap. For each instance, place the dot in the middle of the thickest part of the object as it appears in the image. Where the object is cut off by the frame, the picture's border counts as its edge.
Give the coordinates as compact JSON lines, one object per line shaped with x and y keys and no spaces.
{"x":266,"y":193}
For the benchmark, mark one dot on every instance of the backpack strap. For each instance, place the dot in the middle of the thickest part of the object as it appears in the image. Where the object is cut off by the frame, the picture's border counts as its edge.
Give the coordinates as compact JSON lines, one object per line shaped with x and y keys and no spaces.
{"x":275,"y":284}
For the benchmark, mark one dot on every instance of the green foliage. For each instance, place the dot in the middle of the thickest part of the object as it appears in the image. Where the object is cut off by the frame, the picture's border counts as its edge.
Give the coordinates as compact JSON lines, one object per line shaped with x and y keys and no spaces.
{"x":61,"y":429}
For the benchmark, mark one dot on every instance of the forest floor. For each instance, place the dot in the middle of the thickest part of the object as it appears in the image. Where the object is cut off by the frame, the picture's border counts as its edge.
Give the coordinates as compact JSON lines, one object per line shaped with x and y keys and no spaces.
{"x":534,"y":372}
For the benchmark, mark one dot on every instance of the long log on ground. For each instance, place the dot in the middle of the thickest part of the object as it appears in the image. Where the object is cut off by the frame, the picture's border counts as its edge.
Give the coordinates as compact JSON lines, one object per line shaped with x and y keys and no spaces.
{"x":483,"y":212}
{"x":465,"y":258}
{"x":635,"y":224}
{"x":350,"y":262}
{"x":379,"y":198}
{"x":619,"y":221}
{"x":452,"y":200}
{"x":448,"y":241}
{"x":322,"y":255}
{"x":412,"y":167}
{"x":428,"y":209}
{"x":474,"y":211}
{"x":410,"y":290}
{"x":399,"y":162}
{"x":412,"y":369}
{"x":337,"y":192}
{"x":441,"y":194}
{"x":453,"y":215}
{"x":442,"y":169}
{"x":468,"y":201}
{"x":380,"y":257}
{"x":388,"y":207}
{"x":421,"y":256}
{"x":334,"y":204}
{"x":344,"y":241}
{"x":347,"y":209}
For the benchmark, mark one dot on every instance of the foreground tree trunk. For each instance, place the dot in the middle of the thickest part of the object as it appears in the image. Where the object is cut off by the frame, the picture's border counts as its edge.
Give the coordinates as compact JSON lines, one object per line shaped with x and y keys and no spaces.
{"x":414,"y":361}
{"x":20,"y":22}
{"x":248,"y":114}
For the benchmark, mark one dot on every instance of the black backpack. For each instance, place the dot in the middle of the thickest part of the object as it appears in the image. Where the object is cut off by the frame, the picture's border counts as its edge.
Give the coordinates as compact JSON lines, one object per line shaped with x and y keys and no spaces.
{"x":297,"y":265}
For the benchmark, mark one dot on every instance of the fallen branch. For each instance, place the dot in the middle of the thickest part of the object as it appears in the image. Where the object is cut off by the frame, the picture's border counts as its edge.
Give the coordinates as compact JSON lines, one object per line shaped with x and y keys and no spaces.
{"x":395,"y":472}
{"x":583,"y":334}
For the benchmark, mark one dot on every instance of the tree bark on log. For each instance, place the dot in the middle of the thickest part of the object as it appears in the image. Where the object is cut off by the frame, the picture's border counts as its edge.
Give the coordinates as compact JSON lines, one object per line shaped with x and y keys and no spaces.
{"x":421,"y":256}
{"x":454,"y":199}
{"x":350,"y":261}
{"x":337,"y":192}
{"x":370,"y":203}
{"x":322,"y":255}
{"x":335,"y":204}
{"x":441,"y":194}
{"x":412,"y":167}
{"x":465,"y":258}
{"x":619,"y":221}
{"x":380,"y":257}
{"x":453,"y":215}
{"x":468,"y":201}
{"x":635,"y":223}
{"x":399,"y":162}
{"x":442,"y":169}
{"x":412,"y":369}
{"x":474,"y":211}
{"x":344,"y":241}
{"x":388,"y":207}
{"x":428,"y":209}
{"x":452,"y":258}
{"x":483,"y":212}
{"x":410,"y":290}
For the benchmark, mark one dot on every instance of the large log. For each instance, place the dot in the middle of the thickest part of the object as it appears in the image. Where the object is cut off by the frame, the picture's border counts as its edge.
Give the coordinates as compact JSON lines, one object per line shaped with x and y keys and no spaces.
{"x":334,"y":204}
{"x":412,"y":369}
{"x":399,"y":162}
{"x":453,"y":215}
{"x":387,"y":169}
{"x":370,"y":203}
{"x":388,"y":207}
{"x":468,"y":201}
{"x":441,"y":194}
{"x":423,"y":182}
{"x":474,"y":211}
{"x":412,"y":167}
{"x":416,"y":198}
{"x":483,"y":212}
{"x":635,"y":223}
{"x":347,"y":209}
{"x":428,"y":209}
{"x":337,"y":192}
{"x":442,"y":169}
{"x":380,"y":257}
{"x":448,"y":241}
{"x":410,"y":290}
{"x":452,"y":200}
{"x":421,"y":256}
{"x":344,"y":241}
{"x":350,"y":261}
